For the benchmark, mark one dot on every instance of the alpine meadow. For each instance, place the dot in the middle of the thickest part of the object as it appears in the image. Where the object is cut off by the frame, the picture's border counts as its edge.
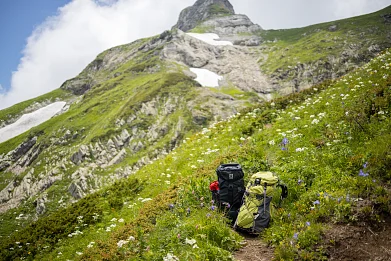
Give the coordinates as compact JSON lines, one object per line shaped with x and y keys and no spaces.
{"x":122,"y":169}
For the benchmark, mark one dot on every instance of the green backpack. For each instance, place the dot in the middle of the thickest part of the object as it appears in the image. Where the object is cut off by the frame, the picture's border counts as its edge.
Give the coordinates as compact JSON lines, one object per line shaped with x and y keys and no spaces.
{"x":254,"y":214}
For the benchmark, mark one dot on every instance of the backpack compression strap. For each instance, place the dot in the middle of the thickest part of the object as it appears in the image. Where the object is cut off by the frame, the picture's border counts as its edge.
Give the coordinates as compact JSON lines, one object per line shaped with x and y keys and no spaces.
{"x":284,"y":192}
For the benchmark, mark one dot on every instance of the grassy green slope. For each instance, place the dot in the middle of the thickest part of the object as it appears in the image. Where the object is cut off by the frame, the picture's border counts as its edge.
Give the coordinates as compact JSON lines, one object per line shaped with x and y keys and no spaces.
{"x":338,"y":152}
{"x":288,"y":47}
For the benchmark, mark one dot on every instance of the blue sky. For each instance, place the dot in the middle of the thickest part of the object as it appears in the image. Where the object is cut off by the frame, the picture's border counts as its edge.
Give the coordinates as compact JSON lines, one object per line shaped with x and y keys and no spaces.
{"x":46,"y":42}
{"x":17,"y":20}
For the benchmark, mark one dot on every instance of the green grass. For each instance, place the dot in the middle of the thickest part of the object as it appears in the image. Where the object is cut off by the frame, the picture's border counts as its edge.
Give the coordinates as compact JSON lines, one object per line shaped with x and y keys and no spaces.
{"x":218,"y":10}
{"x":331,"y":138}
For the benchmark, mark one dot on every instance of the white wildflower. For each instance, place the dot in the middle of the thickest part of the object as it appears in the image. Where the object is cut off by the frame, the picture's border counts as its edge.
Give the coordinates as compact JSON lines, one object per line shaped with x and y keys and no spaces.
{"x":121,"y":243}
{"x":170,"y":257}
{"x":121,"y":220}
{"x":315,"y":121}
{"x":146,"y":199}
{"x":131,"y":238}
{"x":190,"y":241}
{"x":272,"y":142}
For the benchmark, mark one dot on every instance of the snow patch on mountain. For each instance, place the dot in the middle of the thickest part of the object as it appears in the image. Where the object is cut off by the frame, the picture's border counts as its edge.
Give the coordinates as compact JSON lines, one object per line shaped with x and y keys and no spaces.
{"x":30,"y":120}
{"x":209,"y":38}
{"x":206,"y":78}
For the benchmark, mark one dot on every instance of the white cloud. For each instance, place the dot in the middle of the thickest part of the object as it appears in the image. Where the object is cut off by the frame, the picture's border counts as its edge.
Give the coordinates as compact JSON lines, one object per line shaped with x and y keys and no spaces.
{"x":1,"y":88}
{"x":64,"y":44}
{"x":349,"y":8}
{"x":278,"y":14}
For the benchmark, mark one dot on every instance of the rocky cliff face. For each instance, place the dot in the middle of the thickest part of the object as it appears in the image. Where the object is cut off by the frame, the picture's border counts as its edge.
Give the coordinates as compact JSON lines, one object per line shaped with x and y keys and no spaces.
{"x":201,"y":11}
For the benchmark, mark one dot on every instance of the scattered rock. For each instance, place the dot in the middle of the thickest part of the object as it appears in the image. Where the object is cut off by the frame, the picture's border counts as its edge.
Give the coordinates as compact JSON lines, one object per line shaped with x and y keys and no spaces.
{"x":39,"y":203}
{"x":387,"y":18}
{"x":333,"y":28}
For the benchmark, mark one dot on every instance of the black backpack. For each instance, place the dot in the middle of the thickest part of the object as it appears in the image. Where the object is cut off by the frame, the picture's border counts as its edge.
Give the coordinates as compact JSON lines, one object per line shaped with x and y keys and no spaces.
{"x":231,"y":185}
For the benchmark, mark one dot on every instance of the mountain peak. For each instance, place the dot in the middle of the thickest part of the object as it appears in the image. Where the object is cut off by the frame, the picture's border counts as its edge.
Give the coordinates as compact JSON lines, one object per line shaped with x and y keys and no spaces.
{"x":202,"y":10}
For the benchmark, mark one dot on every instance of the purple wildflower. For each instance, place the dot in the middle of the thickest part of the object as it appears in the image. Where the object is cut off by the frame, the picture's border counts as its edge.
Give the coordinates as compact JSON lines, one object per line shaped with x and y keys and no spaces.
{"x":213,"y":208}
{"x":171,"y":206}
{"x":208,"y":215}
{"x":227,"y":205}
{"x":361,"y":173}
{"x":299,"y":182}
{"x":296,"y":236}
{"x":365,"y":165}
{"x":316,"y":202}
{"x":307,"y":223}
{"x":285,"y":141}
{"x":283,"y":148}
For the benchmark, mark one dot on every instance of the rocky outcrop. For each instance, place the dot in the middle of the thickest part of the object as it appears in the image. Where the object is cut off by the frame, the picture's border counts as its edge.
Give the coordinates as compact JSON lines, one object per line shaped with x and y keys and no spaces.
{"x":83,"y":181}
{"x":17,"y":191}
{"x":237,"y":65}
{"x":231,"y":25}
{"x":103,"y":154}
{"x":202,"y":10}
{"x":16,"y":160}
{"x":78,"y":85}
{"x":80,"y":155}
